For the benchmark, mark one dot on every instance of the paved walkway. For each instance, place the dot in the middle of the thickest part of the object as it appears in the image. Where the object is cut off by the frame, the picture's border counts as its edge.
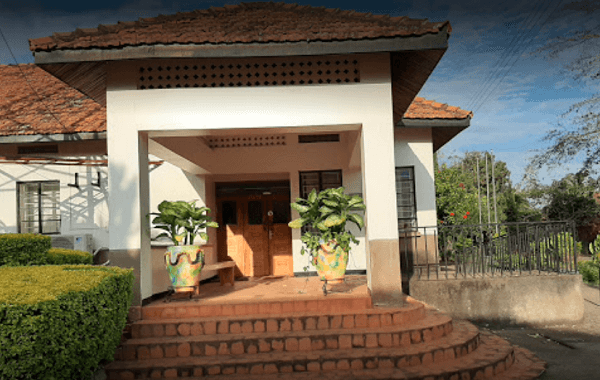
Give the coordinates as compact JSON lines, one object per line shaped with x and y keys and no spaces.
{"x":572,"y":351}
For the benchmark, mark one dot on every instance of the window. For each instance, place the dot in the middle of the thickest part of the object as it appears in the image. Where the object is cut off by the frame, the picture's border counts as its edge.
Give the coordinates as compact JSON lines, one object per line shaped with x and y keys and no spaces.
{"x":38,"y":207}
{"x":319,"y":180}
{"x":405,"y":198}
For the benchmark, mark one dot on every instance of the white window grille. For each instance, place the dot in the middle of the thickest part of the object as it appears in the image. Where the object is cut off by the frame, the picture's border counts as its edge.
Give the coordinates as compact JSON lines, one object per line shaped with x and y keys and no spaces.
{"x":405,"y":198}
{"x":39,"y":207}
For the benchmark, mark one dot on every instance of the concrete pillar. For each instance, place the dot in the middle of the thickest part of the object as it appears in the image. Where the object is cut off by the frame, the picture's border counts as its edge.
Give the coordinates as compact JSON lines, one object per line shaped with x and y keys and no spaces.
{"x":129,"y":232}
{"x":379,"y":192}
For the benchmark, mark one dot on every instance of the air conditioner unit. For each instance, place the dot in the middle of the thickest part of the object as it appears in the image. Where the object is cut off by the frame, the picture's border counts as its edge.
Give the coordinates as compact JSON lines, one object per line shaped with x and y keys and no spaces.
{"x":82,"y":242}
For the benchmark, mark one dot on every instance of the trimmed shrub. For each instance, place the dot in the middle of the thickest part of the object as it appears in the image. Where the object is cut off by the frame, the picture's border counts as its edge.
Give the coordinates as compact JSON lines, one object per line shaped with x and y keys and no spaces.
{"x":589,"y":271}
{"x":59,"y":256}
{"x":60,"y":322}
{"x":24,"y":249}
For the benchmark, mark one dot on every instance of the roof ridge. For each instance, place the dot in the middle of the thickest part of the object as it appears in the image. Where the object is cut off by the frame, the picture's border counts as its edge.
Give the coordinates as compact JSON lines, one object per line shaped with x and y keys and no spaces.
{"x":353,"y":25}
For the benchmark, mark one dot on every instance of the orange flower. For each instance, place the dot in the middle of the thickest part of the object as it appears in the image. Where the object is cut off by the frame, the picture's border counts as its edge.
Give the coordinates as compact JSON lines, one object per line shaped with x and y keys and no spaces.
{"x":465,"y":217}
{"x":468,"y":213}
{"x":451,"y":214}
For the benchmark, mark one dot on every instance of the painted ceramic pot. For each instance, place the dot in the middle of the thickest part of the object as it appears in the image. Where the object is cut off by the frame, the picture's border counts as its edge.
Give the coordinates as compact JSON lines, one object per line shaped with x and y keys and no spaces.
{"x":331,"y":262}
{"x":184,"y":264}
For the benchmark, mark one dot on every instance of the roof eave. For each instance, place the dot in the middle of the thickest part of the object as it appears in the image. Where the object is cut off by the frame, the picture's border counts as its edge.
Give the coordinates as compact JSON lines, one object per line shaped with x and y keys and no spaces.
{"x":58,"y":137}
{"x":270,"y":49}
{"x":442,"y":130}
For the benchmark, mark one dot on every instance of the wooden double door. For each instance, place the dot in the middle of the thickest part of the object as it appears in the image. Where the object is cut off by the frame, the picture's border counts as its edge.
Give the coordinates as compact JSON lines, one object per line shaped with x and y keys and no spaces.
{"x":253,"y":231}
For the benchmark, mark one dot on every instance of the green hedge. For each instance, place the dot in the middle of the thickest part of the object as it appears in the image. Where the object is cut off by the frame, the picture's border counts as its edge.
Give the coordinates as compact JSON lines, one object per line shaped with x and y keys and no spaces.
{"x":24,"y":249}
{"x":60,"y":256}
{"x":60,"y":322}
{"x":589,"y":271}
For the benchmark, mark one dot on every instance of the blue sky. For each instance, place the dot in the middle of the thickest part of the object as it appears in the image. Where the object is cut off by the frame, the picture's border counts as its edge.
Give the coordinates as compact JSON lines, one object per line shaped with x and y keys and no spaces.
{"x":489,"y":67}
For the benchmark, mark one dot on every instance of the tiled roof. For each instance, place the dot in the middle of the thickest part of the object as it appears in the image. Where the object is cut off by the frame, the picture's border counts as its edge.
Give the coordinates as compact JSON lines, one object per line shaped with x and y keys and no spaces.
{"x":422,"y":108}
{"x":23,"y":112}
{"x":260,"y":22}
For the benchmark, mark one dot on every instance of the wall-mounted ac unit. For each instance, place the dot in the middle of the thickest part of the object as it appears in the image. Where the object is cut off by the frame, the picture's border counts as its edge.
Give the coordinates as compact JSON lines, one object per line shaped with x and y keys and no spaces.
{"x":81,"y":242}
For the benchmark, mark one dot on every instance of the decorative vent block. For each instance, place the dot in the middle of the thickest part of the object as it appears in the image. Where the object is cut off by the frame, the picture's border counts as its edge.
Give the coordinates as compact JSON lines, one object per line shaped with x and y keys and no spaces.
{"x":186,"y":73}
{"x":245,"y":141}
{"x":307,"y":139}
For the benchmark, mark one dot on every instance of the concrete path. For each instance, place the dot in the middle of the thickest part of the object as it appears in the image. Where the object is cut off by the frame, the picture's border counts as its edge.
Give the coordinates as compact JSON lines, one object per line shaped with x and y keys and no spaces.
{"x":571,"y":351}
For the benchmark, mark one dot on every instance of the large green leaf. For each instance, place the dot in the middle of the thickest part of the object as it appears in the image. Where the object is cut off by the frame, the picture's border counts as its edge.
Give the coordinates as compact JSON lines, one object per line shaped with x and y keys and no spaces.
{"x":297,"y":223}
{"x":355,"y":200}
{"x":334,"y":220}
{"x":312,"y":197}
{"x":212,"y":224}
{"x":321,"y":226}
{"x":324,"y":210}
{"x":357,"y":219}
{"x":331,"y":203}
{"x":300,"y":208}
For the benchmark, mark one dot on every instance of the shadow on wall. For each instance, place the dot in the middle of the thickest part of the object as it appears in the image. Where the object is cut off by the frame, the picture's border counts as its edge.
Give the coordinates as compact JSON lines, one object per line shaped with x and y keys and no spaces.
{"x":123,"y":214}
{"x":86,"y":207}
{"x":83,"y":207}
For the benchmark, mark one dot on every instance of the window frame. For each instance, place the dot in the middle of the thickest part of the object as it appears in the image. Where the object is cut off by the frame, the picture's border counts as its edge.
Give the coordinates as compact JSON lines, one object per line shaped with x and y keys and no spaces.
{"x":320,"y":172}
{"x":320,"y":188}
{"x":412,"y":222}
{"x":40,"y":215}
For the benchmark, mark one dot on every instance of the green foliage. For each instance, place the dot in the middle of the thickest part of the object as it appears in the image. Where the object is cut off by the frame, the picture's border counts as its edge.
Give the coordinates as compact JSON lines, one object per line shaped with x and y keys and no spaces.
{"x":455,"y":199}
{"x":559,"y":245}
{"x":60,"y":322}
{"x":590,"y":271}
{"x":23,"y":249}
{"x":182,"y":221}
{"x":572,"y":198}
{"x":327,"y":214}
{"x":457,"y":192}
{"x":59,"y":256}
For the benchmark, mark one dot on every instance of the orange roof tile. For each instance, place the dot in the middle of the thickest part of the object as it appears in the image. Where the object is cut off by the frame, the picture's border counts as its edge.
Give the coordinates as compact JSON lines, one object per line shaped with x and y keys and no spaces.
{"x":25,"y":112}
{"x":261,"y":22}
{"x":422,"y":108}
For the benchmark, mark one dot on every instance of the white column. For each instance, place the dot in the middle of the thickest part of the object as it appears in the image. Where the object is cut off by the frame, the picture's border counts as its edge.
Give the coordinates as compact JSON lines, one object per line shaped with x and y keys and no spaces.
{"x":129,"y":232}
{"x":379,"y":190}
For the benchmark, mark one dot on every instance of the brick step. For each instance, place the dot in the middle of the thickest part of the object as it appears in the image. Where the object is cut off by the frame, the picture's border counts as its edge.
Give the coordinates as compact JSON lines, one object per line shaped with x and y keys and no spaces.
{"x":257,"y":323}
{"x":206,"y":308}
{"x":526,"y":367}
{"x":428,"y":329}
{"x":462,"y":341}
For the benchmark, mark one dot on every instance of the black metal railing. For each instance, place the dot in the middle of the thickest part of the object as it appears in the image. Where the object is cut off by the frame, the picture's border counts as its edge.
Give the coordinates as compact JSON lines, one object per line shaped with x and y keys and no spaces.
{"x":450,"y":252}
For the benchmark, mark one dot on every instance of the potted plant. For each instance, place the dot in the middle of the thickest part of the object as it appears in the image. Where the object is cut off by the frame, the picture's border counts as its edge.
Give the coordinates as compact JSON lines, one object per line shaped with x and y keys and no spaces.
{"x":182,"y":222}
{"x":327,"y":240}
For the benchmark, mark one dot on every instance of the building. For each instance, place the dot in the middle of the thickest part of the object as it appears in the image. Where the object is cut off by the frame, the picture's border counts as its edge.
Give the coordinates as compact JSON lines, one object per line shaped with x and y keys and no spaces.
{"x":246,"y":117}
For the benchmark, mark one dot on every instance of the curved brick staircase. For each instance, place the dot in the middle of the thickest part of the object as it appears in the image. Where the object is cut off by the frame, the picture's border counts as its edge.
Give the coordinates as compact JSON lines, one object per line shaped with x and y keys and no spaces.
{"x":332,"y":339}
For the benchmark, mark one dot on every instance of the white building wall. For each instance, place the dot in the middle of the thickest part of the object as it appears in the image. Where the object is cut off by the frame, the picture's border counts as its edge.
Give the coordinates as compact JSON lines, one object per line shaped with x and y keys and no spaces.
{"x":197,"y":112}
{"x":82,"y":211}
{"x":414,"y":147}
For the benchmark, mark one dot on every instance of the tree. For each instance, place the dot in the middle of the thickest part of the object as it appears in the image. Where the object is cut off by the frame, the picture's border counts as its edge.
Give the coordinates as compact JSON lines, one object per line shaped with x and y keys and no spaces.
{"x":456,"y":191}
{"x":575,"y":198}
{"x":578,"y":130}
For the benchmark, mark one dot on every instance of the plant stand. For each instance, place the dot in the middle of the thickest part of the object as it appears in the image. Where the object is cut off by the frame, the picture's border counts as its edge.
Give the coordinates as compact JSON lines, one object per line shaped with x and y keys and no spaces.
{"x":192,"y":292}
{"x":325,"y":291}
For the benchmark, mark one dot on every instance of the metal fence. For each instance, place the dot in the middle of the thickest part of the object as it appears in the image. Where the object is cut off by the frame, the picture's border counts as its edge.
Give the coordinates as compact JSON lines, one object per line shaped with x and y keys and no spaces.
{"x":450,"y":252}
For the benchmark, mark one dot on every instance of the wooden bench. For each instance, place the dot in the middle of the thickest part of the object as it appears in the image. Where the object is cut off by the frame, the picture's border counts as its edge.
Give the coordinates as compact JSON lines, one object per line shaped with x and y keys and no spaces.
{"x":226,"y":270}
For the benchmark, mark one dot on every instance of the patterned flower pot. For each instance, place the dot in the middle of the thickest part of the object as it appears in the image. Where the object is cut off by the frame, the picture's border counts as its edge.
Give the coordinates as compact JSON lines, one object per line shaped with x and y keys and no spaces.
{"x":331,"y":262}
{"x":184,"y":264}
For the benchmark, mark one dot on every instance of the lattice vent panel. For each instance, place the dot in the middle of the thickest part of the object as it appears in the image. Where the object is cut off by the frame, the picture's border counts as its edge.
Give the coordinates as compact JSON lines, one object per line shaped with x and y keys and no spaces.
{"x":245,"y":141}
{"x":248,"y":73}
